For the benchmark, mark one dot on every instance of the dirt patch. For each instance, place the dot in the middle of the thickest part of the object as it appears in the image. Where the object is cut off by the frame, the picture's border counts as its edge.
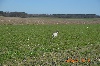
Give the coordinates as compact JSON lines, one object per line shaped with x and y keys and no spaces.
{"x":47,"y":20}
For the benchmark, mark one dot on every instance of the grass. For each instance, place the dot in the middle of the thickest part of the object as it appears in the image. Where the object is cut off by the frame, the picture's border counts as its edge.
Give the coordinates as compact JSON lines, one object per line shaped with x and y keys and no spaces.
{"x":32,"y":45}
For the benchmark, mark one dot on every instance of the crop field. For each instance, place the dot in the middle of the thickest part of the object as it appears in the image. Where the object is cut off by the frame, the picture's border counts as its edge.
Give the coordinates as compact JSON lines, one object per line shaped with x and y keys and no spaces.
{"x":32,"y":44}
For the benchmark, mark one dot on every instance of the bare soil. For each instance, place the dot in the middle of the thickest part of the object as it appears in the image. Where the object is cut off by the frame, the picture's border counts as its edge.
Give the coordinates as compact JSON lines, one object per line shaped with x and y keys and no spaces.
{"x":47,"y":20}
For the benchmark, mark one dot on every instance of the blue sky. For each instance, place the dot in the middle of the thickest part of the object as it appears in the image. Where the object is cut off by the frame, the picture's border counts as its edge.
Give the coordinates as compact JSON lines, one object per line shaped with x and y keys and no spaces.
{"x":52,"y":6}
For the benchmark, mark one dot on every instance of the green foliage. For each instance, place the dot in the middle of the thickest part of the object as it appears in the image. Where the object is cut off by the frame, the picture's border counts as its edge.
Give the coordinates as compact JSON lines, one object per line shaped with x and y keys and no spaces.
{"x":26,"y":44}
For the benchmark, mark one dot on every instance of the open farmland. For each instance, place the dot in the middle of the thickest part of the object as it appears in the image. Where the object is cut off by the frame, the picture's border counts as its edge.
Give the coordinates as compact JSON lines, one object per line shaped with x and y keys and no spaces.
{"x":47,"y":20}
{"x":27,"y":42}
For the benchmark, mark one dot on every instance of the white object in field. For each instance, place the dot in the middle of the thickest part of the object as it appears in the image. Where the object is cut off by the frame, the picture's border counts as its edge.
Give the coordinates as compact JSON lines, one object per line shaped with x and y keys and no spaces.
{"x":98,"y":59}
{"x":87,"y":27}
{"x":55,"y":34}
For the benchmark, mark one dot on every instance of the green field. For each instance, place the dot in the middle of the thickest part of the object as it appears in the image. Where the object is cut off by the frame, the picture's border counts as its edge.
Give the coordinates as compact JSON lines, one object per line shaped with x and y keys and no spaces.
{"x":32,"y":45}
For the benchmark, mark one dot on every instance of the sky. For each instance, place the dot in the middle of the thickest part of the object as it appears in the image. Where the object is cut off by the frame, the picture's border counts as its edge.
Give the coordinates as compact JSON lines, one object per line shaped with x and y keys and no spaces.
{"x":51,"y":6}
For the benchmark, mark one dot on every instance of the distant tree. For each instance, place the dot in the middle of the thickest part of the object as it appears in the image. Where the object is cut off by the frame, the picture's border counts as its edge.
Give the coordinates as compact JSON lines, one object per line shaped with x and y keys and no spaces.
{"x":25,"y":15}
{"x":1,"y":13}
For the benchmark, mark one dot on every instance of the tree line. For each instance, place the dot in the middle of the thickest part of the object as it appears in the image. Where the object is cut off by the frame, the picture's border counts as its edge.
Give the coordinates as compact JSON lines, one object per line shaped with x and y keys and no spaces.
{"x":26,"y":15}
